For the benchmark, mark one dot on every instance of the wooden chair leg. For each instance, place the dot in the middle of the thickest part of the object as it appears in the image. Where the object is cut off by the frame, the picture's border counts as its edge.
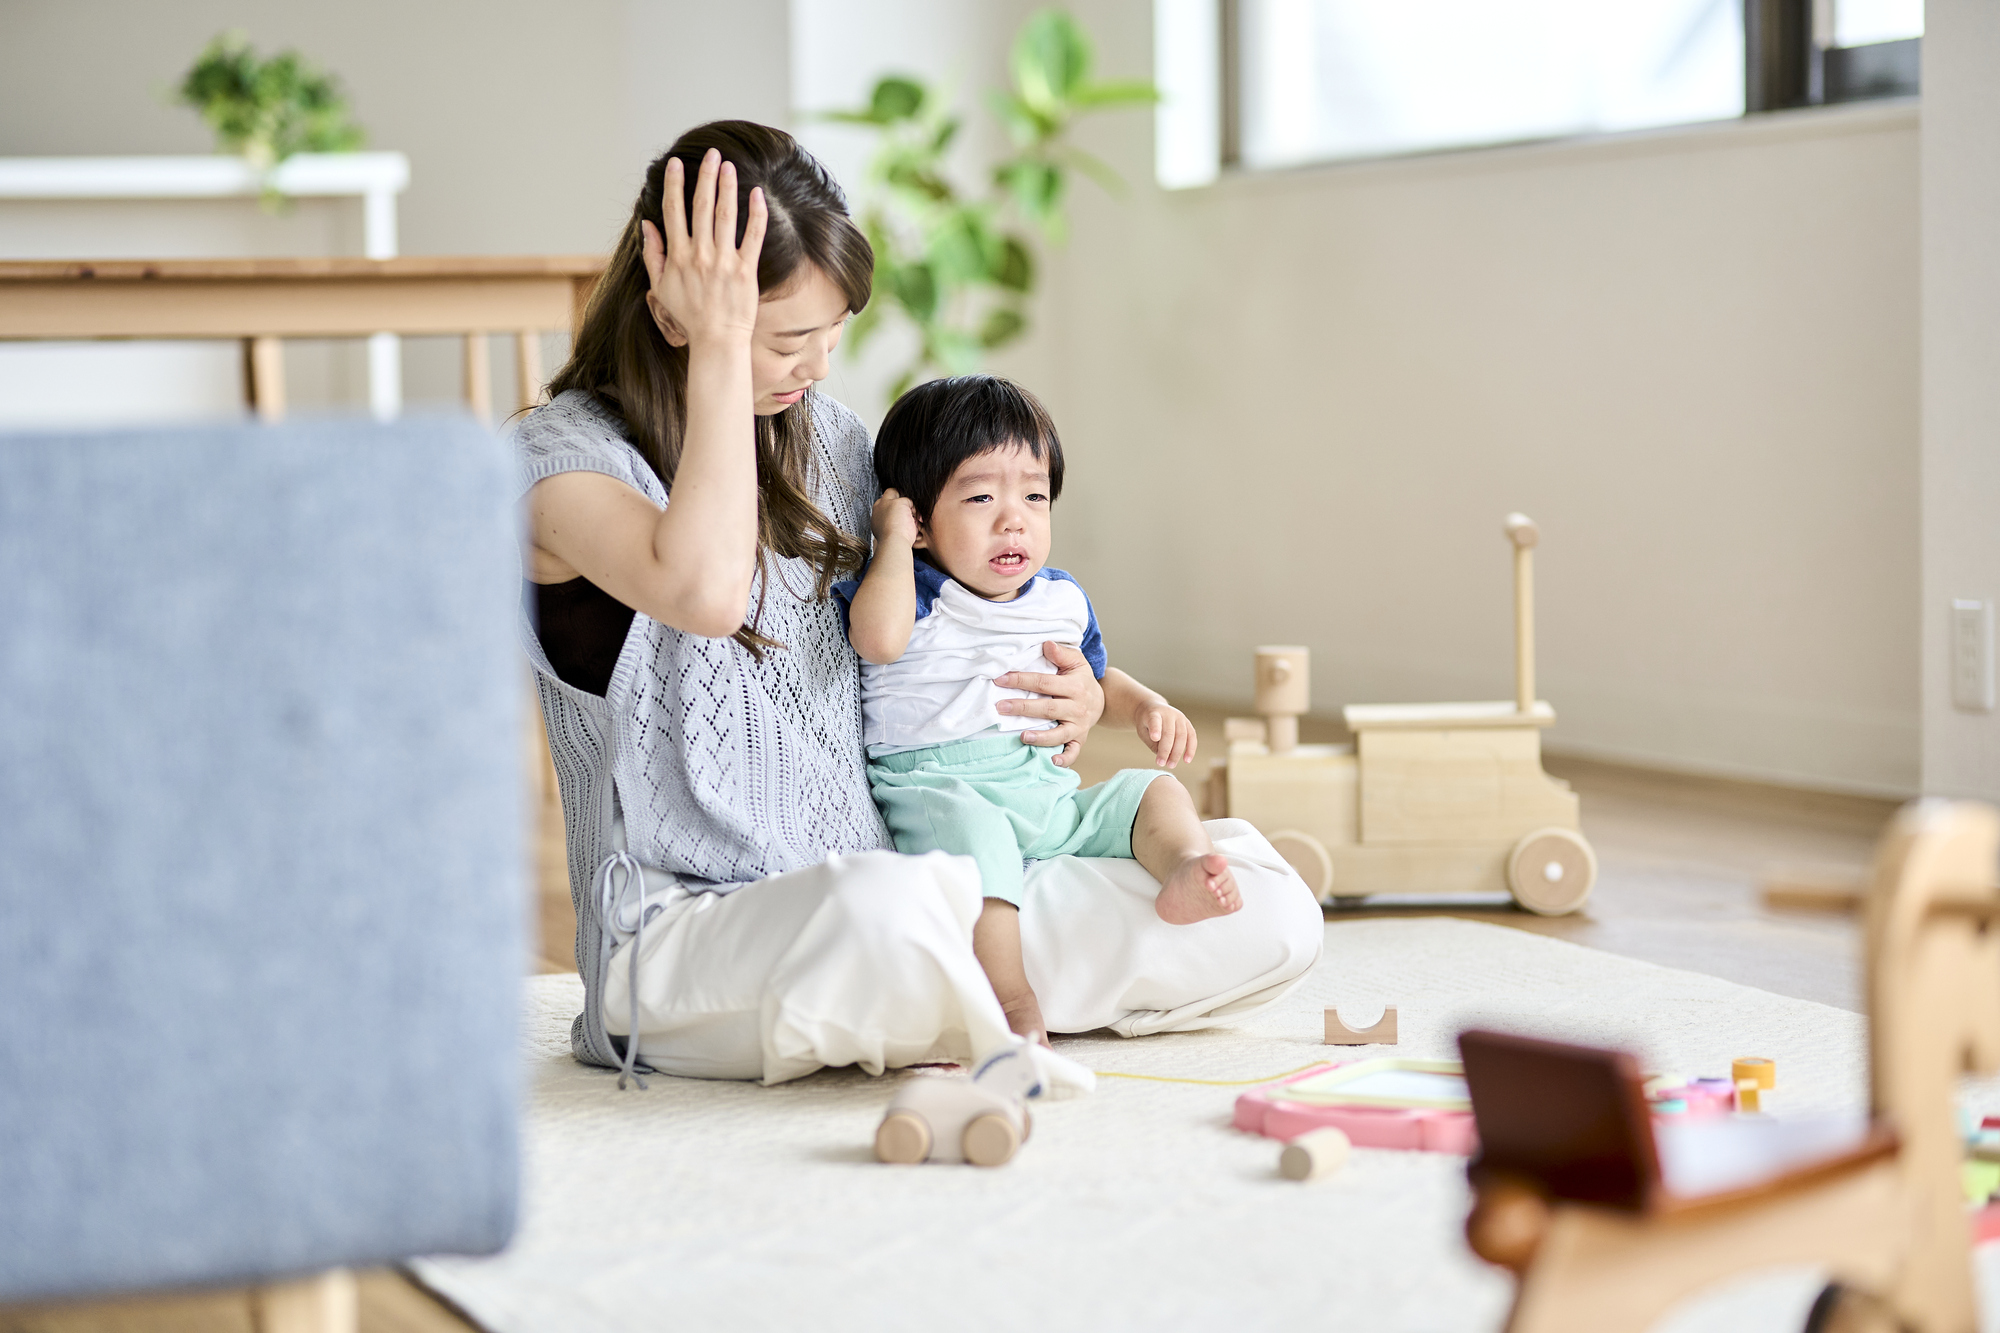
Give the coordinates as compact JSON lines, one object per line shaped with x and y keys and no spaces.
{"x":324,"y":1303}
{"x":264,"y":377}
{"x":478,"y":377}
{"x":527,"y":368}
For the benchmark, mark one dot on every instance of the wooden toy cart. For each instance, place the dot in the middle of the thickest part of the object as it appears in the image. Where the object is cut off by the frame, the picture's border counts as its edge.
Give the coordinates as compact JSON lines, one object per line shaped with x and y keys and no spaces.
{"x":1431,"y":798}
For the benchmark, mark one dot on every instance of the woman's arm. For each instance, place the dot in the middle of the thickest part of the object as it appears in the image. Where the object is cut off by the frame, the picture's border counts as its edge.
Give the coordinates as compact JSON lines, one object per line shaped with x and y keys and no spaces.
{"x":884,"y":610}
{"x":1073,"y":700}
{"x":1166,"y":728}
{"x":690,"y":565}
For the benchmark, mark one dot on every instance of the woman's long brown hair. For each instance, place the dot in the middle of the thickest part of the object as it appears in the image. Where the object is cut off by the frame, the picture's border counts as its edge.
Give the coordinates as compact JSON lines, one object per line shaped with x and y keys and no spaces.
{"x":621,"y":358}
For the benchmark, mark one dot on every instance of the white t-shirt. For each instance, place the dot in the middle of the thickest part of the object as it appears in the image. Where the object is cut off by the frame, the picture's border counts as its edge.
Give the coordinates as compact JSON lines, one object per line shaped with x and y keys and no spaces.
{"x":941,"y":689}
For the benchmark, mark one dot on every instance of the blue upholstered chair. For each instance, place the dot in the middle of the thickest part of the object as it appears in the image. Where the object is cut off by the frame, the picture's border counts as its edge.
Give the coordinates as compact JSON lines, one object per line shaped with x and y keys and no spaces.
{"x":261,"y":854}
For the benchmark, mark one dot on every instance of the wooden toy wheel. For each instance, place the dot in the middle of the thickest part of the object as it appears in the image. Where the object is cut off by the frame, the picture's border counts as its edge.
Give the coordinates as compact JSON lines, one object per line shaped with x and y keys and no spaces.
{"x":903,"y":1138}
{"x":990,"y":1140}
{"x":1307,"y":855}
{"x":1551,"y":871}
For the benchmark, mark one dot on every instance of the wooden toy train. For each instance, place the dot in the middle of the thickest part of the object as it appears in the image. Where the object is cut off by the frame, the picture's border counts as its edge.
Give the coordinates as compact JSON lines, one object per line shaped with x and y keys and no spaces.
{"x":1430,"y":798}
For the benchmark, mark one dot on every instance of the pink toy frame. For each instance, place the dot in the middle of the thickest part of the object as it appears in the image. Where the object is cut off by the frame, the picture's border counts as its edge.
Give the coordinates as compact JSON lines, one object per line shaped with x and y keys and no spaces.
{"x":1421,"y":1129}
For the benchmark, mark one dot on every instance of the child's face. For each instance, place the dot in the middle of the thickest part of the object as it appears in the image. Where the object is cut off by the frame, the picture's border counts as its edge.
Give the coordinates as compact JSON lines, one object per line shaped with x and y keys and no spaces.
{"x":990,"y":530}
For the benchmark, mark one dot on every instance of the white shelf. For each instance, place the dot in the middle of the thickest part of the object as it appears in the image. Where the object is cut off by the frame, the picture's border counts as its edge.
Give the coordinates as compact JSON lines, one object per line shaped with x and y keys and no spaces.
{"x":375,"y":178}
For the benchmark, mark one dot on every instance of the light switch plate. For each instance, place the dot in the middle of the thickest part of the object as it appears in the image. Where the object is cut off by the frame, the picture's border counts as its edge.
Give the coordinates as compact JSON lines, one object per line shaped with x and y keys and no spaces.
{"x":1972,"y":655}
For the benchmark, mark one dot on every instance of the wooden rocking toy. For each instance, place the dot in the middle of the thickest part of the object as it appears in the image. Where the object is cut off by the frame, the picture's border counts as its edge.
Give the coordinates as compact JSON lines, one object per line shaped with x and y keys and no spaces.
{"x":1571,"y":1193}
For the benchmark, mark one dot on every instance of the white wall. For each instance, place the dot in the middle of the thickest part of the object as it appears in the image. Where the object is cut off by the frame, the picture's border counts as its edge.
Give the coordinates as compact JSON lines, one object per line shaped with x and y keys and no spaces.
{"x":528,"y":125}
{"x":1961,"y":374}
{"x":1297,"y":406}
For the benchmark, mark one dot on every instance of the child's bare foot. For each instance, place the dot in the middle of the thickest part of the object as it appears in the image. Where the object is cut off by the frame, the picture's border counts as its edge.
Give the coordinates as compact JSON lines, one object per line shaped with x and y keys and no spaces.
{"x":1199,"y":888}
{"x":1024,"y":1017}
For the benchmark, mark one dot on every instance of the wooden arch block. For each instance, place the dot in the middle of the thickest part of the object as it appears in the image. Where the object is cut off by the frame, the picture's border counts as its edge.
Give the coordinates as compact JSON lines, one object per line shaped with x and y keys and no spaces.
{"x":1382,"y":1034}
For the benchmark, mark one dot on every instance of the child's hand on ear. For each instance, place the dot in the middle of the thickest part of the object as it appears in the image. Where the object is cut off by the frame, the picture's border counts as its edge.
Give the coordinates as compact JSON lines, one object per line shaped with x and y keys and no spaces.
{"x":1168,"y":731}
{"x":895,"y":522}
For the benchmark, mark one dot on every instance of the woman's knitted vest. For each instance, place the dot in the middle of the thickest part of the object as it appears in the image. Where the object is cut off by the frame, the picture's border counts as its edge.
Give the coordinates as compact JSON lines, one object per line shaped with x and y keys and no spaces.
{"x":725,"y":769}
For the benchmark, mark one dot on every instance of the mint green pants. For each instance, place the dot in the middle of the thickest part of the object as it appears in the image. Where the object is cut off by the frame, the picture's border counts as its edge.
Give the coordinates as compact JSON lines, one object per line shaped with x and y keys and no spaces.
{"x":1002,"y":803}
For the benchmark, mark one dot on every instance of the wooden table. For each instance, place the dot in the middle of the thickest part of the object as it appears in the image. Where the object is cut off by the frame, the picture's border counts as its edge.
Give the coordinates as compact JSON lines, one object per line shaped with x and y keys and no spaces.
{"x":263,"y":301}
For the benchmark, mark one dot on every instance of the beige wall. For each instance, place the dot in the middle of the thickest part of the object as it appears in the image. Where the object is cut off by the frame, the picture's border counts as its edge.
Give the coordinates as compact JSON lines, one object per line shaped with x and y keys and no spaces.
{"x":1961,"y":447}
{"x":1299,"y":404}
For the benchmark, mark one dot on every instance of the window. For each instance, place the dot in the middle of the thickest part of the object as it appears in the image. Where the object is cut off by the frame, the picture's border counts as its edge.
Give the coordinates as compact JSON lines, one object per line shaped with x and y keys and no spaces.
{"x":1279,"y":83}
{"x":1320,"y":79}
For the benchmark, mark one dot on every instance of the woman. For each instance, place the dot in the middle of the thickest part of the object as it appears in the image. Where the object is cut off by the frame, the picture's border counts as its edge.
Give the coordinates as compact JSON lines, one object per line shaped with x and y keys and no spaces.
{"x":738,"y":907}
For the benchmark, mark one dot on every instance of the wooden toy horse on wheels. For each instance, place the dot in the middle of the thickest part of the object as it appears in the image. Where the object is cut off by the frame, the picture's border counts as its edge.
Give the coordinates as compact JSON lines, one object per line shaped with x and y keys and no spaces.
{"x":1431,"y":798}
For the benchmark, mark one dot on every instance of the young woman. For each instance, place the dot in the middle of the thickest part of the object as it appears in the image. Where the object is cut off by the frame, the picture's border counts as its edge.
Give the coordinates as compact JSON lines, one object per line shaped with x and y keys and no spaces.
{"x":689,"y":501}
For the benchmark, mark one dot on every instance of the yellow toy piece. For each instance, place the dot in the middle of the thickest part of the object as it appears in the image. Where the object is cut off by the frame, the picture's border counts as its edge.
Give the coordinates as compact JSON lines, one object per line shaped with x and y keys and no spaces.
{"x":1431,"y":798}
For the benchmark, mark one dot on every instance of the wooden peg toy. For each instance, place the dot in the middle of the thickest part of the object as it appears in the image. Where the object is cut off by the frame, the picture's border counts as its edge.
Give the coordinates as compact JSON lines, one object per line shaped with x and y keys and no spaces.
{"x":1284,"y":691}
{"x":1321,"y":1152}
{"x":935,"y":1119}
{"x":1382,"y":1034}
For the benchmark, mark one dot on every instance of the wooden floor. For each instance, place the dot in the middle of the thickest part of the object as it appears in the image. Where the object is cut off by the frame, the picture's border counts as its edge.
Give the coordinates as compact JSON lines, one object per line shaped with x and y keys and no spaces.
{"x":1680,"y":859}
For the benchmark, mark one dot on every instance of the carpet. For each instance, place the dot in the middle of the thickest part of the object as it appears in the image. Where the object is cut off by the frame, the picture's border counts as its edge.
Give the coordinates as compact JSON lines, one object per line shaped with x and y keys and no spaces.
{"x":705,"y":1205}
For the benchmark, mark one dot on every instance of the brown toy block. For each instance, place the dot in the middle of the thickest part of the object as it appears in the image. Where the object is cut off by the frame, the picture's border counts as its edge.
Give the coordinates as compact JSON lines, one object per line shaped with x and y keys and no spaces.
{"x":1382,"y":1034}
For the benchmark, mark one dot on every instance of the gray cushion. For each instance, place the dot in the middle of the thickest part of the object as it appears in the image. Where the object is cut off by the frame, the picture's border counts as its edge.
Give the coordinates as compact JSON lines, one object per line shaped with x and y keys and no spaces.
{"x":261,"y":852}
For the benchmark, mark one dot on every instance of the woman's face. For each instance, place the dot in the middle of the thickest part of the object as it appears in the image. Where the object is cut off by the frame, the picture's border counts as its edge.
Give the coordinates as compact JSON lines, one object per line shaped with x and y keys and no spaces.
{"x":798,"y":326}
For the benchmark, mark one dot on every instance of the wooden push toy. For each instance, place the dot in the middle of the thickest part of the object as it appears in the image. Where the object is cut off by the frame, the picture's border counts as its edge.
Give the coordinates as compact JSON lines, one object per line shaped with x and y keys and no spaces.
{"x":1573,"y":1189}
{"x":1381,"y":1103}
{"x":1431,"y":798}
{"x":951,"y":1120}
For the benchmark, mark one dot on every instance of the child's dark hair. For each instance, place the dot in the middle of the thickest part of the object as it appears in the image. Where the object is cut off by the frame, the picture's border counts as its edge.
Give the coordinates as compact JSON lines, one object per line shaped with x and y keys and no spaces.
{"x":936,"y":426}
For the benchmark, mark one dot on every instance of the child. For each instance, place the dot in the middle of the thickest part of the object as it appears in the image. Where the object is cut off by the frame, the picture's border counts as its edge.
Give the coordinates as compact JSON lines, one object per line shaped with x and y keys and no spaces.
{"x":956,"y":597}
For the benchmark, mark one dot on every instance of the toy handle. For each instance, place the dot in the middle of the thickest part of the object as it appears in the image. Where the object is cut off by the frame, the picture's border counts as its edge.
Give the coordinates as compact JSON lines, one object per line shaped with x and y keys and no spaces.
{"x":1523,"y":533}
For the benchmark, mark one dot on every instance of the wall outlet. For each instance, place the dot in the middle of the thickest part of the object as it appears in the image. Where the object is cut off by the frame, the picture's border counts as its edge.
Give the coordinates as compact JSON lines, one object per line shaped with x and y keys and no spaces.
{"x":1972,"y":655}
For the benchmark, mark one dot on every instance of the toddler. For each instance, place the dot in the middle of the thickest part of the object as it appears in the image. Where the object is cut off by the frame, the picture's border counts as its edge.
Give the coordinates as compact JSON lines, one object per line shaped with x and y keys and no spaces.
{"x":954,"y":608}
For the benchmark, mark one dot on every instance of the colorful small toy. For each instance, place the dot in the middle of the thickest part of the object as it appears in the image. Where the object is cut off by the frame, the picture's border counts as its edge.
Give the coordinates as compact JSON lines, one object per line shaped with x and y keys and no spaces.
{"x":1380,"y":1103}
{"x":1752,"y":1075}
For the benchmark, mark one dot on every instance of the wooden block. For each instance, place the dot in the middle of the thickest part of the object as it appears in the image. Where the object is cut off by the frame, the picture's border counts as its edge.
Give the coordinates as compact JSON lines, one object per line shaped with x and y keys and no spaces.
{"x":1382,"y":1034}
{"x":1756,"y":1068}
{"x":1236,"y":729}
{"x":1311,"y":790}
{"x":1458,"y":717}
{"x":1310,"y":1156}
{"x":1284,"y":681}
{"x":1457,"y":786}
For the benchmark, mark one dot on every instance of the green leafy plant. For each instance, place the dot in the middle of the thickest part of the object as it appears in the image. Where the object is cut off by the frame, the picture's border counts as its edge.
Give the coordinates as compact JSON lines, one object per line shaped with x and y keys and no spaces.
{"x":961,"y":266}
{"x":267,"y":109}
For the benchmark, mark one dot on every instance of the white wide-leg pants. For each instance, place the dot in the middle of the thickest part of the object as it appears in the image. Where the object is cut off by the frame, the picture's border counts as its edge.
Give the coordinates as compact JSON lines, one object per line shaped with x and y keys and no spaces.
{"x":867,"y":960}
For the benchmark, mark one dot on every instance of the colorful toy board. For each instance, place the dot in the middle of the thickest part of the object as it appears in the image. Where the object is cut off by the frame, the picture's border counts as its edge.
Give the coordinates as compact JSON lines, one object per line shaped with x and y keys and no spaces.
{"x":1380,"y":1103}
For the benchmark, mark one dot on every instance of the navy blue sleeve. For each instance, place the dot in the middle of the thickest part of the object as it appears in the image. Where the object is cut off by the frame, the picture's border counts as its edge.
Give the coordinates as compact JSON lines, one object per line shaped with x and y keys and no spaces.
{"x":843,"y":596}
{"x":1092,"y":646}
{"x":1093,"y":643}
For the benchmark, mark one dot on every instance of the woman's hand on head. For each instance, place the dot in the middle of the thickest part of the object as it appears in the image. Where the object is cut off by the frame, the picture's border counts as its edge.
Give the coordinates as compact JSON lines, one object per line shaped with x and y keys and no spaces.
{"x":1073,"y":700}
{"x":703,"y":284}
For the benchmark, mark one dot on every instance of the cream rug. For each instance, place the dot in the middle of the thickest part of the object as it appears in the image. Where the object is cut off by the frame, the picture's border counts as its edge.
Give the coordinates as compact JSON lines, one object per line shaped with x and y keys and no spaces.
{"x":723,"y":1206}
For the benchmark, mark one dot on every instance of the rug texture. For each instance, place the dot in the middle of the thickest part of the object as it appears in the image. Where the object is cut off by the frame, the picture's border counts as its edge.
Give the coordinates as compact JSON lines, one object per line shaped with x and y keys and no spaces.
{"x":722,"y":1206}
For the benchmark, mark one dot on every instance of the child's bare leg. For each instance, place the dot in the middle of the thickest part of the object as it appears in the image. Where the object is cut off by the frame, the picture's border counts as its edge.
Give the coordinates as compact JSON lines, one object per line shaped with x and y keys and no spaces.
{"x":1168,"y":839}
{"x":996,"y":941}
